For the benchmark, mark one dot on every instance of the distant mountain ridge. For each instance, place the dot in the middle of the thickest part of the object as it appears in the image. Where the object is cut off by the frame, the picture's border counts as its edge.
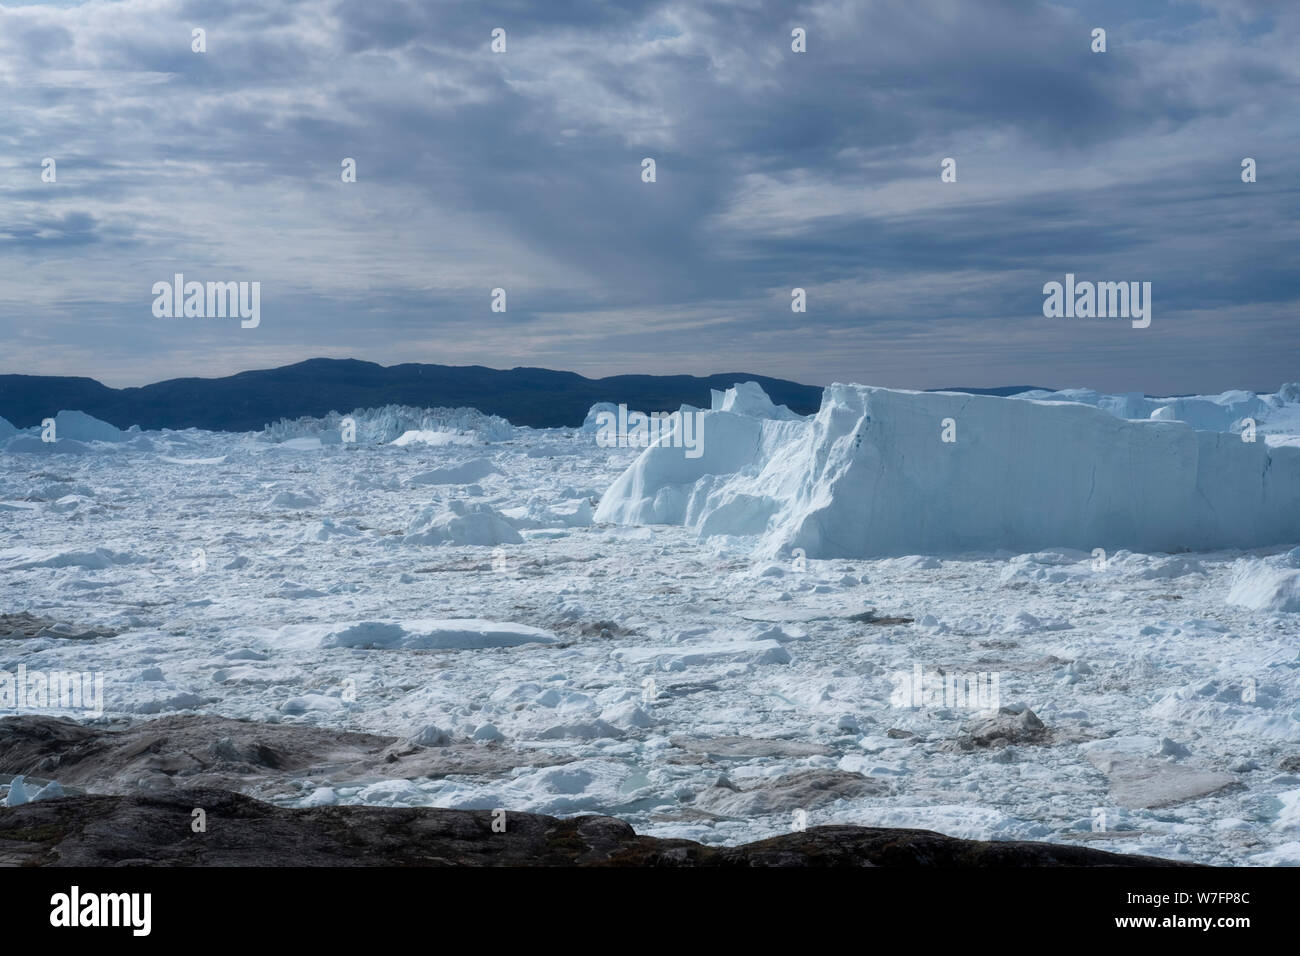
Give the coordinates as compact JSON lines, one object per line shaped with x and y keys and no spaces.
{"x":247,"y":401}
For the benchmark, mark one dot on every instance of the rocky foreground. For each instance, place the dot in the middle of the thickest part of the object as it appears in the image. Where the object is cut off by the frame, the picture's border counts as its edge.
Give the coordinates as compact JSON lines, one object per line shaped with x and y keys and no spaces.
{"x":133,"y":791}
{"x":240,"y":831}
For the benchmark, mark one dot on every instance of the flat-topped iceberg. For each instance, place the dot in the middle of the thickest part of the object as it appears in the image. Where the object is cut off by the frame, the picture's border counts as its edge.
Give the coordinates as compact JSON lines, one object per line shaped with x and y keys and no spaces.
{"x":881,"y":472}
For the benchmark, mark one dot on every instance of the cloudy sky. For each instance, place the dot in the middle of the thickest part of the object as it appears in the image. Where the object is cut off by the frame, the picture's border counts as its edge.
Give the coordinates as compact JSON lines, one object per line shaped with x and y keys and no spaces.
{"x":775,"y":170}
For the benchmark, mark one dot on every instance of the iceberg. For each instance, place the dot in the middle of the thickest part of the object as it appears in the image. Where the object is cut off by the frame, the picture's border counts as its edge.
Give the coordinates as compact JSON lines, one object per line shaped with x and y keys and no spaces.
{"x":882,"y":472}
{"x":1223,"y":413}
{"x":79,"y":426}
{"x":72,"y":432}
{"x":397,"y":424}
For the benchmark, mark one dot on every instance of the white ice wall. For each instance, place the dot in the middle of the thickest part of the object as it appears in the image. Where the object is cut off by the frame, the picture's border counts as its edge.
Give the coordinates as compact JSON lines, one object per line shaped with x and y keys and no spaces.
{"x":1028,"y":475}
{"x":869,"y":476}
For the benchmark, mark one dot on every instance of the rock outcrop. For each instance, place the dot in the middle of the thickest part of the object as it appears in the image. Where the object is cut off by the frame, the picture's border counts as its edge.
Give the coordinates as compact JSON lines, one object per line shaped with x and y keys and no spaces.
{"x":158,"y":829}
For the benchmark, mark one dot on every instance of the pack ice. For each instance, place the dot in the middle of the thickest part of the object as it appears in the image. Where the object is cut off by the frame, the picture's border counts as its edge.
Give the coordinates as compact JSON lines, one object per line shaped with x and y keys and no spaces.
{"x":871,"y":475}
{"x":538,"y":661}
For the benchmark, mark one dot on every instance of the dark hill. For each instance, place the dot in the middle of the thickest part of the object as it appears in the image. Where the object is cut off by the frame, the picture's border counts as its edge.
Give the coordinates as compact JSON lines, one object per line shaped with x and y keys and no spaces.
{"x":249,"y":400}
{"x":526,"y":396}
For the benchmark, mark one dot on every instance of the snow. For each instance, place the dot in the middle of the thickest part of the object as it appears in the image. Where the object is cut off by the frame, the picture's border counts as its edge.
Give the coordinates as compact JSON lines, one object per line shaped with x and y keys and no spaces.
{"x":621,"y":627}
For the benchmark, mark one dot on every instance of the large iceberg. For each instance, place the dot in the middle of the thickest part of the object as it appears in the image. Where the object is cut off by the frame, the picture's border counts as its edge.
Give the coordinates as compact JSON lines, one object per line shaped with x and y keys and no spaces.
{"x":881,"y":472}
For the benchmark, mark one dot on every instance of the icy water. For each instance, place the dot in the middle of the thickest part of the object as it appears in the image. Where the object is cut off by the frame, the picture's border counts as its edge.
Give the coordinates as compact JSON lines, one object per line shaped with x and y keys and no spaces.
{"x":320,"y":584}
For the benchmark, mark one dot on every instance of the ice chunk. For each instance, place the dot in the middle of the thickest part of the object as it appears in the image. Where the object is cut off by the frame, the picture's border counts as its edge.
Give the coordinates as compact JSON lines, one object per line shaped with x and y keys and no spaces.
{"x":462,"y":473}
{"x":17,"y":795}
{"x":310,"y":702}
{"x":538,"y":513}
{"x":1262,"y":587}
{"x":487,"y":733}
{"x":431,"y":735}
{"x":626,"y":714}
{"x":462,"y":523}
{"x":692,"y":655}
{"x":592,"y":423}
{"x":79,"y":426}
{"x":423,"y":634}
{"x":294,"y":500}
{"x":51,"y":791}
{"x":748,"y":398}
{"x":321,"y":797}
{"x":438,"y":439}
{"x":22,"y":559}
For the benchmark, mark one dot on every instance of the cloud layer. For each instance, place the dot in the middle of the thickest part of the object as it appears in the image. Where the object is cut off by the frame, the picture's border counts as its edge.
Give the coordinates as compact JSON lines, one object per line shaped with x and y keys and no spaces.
{"x":775,"y":170}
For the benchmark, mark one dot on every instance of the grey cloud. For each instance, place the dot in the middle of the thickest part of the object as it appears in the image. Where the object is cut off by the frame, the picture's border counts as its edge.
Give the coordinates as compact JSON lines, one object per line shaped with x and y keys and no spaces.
{"x":526,"y":167}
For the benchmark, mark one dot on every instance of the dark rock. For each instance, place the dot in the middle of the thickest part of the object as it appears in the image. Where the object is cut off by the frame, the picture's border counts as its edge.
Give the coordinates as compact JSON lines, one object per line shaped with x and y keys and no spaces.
{"x":870,"y":617}
{"x":23,"y":625}
{"x":1004,"y":728}
{"x":156,"y":829}
{"x":745,"y":747}
{"x":802,"y":790}
{"x":208,"y":751}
